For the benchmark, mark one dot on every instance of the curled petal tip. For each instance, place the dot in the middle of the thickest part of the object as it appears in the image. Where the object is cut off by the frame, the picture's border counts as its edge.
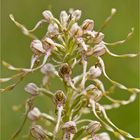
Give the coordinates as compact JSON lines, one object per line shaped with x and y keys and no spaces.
{"x":11,"y":16}
{"x":113,"y":10}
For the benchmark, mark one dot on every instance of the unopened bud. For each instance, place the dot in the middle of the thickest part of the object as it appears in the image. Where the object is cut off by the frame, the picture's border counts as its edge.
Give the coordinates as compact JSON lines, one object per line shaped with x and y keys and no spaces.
{"x":38,"y":132}
{"x":93,"y":127}
{"x":94,"y":72}
{"x":53,"y":30}
{"x":32,"y":89}
{"x":88,"y":24}
{"x":37,"y":47}
{"x":47,"y":15}
{"x":70,"y":127}
{"x":99,"y":49}
{"x":76,"y":30}
{"x":94,"y":93}
{"x":48,"y":69}
{"x":59,"y":98}
{"x":34,"y":114}
{"x":104,"y":136}
{"x":97,"y":94}
{"x":65,"y":70}
{"x":76,"y":15}
{"x":70,"y":10}
{"x":64,"y":18}
{"x":48,"y":43}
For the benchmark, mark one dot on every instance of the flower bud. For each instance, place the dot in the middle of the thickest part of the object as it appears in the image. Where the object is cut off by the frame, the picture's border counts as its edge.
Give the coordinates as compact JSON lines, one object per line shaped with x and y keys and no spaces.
{"x":48,"y":69}
{"x":53,"y":30}
{"x":32,"y":89}
{"x":76,"y":15}
{"x":38,"y":132}
{"x":37,"y":47}
{"x":104,"y":136}
{"x":93,"y":127}
{"x":94,"y":93}
{"x":88,"y":24}
{"x":64,"y":18}
{"x":59,"y":98}
{"x":97,"y":94}
{"x":71,"y":11}
{"x":94,"y":72}
{"x":99,"y":49}
{"x":70,"y":127}
{"x":47,"y":15}
{"x":34,"y":114}
{"x":65,"y":70}
{"x":76,"y":30}
{"x":48,"y":43}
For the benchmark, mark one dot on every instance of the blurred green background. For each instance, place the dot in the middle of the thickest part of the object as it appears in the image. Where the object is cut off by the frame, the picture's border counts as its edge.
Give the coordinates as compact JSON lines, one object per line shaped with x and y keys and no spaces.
{"x":15,"y":50}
